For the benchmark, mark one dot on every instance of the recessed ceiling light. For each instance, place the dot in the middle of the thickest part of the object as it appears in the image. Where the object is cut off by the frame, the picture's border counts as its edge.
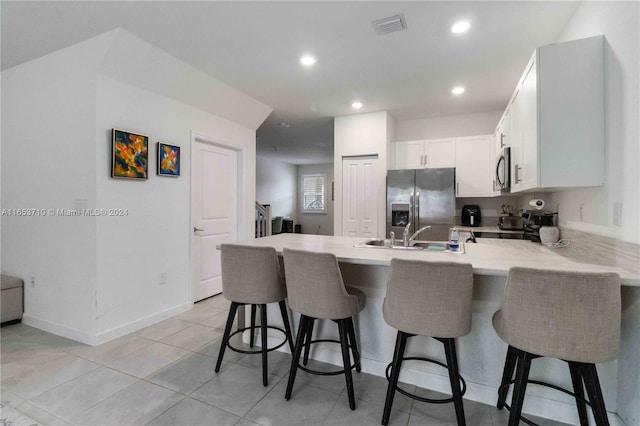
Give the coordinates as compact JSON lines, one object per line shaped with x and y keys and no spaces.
{"x":307,"y":60}
{"x":460,"y":27}
{"x":458,"y":90}
{"x":284,"y":124}
{"x":356,"y":105}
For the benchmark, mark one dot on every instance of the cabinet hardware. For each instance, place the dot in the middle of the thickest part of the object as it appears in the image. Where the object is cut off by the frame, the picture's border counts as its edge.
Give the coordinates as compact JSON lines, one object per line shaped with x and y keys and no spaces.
{"x":197,"y":229}
{"x":502,"y":144}
{"x":518,"y":178}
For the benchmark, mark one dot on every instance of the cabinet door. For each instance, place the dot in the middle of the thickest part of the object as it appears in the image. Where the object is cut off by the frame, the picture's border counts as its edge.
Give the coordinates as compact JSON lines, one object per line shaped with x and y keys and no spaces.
{"x":515,"y":139}
{"x":409,"y":154}
{"x":440,"y":153}
{"x":528,"y":175}
{"x":502,"y":132}
{"x":474,"y":165}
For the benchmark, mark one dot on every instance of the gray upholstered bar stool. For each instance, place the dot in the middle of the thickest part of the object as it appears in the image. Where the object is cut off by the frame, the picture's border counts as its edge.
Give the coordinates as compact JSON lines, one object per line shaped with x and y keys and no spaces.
{"x":572,"y":316}
{"x":251,"y":276}
{"x":316,"y":291}
{"x":428,"y":299}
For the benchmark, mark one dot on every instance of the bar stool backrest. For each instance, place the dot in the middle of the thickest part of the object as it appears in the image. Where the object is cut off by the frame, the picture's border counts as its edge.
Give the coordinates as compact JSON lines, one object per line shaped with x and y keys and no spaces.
{"x":573,"y":316}
{"x":315,"y":286}
{"x":251,"y":274}
{"x":429,"y":298}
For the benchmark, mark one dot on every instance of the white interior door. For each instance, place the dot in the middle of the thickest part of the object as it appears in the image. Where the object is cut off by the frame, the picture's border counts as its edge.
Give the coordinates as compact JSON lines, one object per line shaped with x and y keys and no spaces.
{"x":359,"y":197}
{"x":214,"y":211}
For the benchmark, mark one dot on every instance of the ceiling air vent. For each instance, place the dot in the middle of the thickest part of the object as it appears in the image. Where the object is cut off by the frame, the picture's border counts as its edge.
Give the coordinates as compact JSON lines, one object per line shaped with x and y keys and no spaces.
{"x":390,"y":24}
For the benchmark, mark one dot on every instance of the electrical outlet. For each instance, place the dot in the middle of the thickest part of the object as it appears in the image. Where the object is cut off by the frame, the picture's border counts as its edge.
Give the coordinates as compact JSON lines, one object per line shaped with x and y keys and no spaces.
{"x":162,"y":278}
{"x":33,"y":282}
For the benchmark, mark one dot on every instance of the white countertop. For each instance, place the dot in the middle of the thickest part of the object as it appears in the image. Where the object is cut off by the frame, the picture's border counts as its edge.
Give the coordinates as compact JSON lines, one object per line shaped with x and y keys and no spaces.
{"x":488,"y":256}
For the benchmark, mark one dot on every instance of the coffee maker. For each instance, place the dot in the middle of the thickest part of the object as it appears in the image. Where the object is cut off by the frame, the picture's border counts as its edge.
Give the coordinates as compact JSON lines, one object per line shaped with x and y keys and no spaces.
{"x":471,"y":215}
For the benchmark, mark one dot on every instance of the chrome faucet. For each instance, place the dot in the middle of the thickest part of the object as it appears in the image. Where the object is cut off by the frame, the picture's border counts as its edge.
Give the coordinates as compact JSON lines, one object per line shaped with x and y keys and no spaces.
{"x":392,"y":238}
{"x":405,"y":235}
{"x":406,"y":239}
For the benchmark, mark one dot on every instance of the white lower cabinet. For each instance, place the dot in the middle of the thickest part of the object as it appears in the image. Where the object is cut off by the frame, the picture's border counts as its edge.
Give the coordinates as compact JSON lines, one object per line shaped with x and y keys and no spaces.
{"x":474,"y":166}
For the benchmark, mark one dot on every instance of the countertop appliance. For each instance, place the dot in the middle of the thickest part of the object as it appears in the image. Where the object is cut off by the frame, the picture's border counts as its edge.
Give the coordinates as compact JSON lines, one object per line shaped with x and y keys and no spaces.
{"x":511,"y":223}
{"x":471,"y":215}
{"x":534,"y":220}
{"x":421,"y":197}
{"x":502,"y":178}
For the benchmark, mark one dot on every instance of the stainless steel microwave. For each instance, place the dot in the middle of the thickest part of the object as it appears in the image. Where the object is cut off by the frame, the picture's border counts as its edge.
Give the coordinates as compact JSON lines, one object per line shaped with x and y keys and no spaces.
{"x":502,"y":178}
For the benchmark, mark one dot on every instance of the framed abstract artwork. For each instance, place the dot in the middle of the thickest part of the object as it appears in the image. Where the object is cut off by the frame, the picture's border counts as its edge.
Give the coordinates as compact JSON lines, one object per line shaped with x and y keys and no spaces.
{"x":168,"y":160}
{"x":130,"y":155}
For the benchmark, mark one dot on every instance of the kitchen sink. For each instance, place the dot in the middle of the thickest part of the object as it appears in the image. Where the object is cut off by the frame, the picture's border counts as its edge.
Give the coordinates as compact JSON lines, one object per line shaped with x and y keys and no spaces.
{"x":438,"y":246}
{"x":432,"y":246}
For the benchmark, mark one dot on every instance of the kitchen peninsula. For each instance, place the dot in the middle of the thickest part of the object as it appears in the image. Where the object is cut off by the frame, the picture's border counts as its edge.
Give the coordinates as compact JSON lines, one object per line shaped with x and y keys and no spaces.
{"x":481,"y":353}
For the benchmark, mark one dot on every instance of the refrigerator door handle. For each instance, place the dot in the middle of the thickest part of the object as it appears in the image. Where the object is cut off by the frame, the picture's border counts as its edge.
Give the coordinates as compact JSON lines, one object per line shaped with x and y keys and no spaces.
{"x":416,"y":211}
{"x":411,"y":218}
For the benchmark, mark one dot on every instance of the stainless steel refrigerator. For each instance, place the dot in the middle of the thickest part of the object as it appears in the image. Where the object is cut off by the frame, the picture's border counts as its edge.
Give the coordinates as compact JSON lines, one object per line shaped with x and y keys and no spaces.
{"x":421,"y":197}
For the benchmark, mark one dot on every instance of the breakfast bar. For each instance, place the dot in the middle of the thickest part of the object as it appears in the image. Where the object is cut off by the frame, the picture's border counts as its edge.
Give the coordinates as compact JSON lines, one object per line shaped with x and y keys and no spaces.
{"x":481,"y":353}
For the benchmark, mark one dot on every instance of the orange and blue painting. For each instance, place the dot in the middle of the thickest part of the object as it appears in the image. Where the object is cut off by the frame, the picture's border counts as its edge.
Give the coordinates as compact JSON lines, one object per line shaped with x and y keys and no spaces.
{"x":168,"y":160}
{"x":130,"y":155}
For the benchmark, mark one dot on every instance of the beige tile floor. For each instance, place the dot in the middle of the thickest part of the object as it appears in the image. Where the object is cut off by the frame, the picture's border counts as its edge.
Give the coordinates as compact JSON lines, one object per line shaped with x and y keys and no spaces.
{"x":164,"y":375}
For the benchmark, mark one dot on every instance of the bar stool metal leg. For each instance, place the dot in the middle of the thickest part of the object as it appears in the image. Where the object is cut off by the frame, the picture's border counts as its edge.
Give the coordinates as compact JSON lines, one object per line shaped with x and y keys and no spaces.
{"x":578,"y":389}
{"x":591,"y":382}
{"x":253,"y":326}
{"x":227,"y":331}
{"x":454,"y":378}
{"x":287,"y":325}
{"x":346,"y":361}
{"x":507,"y":376}
{"x":520,"y":386}
{"x":263,"y":335}
{"x":354,"y":344}
{"x":398,"y":354}
{"x":308,"y":341}
{"x":302,"y":331}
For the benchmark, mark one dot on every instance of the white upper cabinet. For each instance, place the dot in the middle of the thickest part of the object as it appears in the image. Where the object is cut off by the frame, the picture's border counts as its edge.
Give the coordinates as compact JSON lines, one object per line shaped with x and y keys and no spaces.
{"x":420,"y":154}
{"x":557,"y":118}
{"x":474,"y":166}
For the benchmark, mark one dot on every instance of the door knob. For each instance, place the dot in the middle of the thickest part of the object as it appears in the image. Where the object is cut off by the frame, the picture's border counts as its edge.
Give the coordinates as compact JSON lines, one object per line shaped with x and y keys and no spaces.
{"x":197,"y":229}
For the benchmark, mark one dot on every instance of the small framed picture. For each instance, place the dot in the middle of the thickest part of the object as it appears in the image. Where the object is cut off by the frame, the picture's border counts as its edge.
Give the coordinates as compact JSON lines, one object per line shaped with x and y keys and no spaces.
{"x":168,"y":160}
{"x":130,"y":153}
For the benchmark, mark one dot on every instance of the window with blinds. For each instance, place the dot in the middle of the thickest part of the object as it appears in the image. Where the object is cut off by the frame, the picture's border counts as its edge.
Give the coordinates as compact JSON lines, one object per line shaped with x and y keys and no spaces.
{"x":313,"y":193}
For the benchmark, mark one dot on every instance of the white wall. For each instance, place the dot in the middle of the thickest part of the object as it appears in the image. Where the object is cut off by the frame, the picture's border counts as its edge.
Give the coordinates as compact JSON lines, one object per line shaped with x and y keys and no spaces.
{"x":317,"y":223}
{"x":483,"y":123}
{"x":276,"y":184}
{"x":361,"y":135}
{"x":620,"y":23}
{"x":48,"y":162}
{"x":155,"y":237}
{"x":97,"y":278}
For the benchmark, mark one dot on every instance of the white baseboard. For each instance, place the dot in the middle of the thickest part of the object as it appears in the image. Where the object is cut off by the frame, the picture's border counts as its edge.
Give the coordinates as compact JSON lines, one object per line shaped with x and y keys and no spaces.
{"x":95,"y":339}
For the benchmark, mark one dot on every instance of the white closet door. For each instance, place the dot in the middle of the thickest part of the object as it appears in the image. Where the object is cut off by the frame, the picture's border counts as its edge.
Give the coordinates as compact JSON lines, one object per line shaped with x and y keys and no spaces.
{"x":360,"y":197}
